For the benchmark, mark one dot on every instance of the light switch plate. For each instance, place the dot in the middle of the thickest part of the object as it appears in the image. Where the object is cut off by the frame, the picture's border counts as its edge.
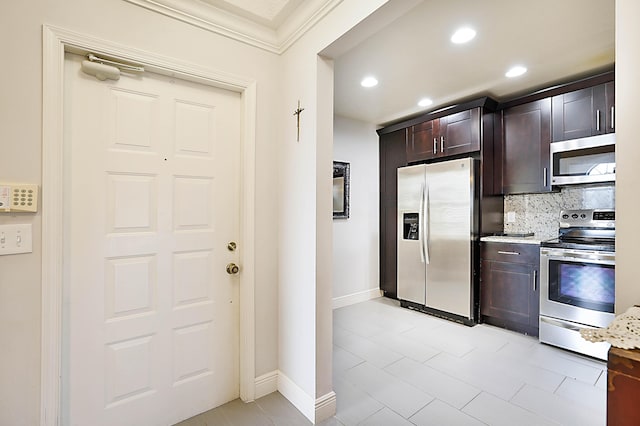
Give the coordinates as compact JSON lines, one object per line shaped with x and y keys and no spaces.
{"x":15,"y":239}
{"x":511,"y":217}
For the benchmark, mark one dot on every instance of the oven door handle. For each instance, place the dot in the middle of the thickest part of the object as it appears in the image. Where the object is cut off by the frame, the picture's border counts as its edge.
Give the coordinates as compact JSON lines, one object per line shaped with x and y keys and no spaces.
{"x":563,"y":324}
{"x":594,"y":257}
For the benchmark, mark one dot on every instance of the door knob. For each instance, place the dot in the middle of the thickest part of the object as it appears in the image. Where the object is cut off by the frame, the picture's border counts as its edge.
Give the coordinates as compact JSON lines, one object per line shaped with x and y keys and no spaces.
{"x":232,"y":269}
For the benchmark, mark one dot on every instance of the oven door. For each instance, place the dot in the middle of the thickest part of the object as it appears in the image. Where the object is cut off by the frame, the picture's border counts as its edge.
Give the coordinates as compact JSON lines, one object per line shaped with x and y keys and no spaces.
{"x":577,"y":285}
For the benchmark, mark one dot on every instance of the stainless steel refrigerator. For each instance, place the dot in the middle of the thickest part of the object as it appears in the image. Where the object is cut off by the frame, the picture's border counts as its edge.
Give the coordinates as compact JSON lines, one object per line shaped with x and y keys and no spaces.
{"x":437,"y":204}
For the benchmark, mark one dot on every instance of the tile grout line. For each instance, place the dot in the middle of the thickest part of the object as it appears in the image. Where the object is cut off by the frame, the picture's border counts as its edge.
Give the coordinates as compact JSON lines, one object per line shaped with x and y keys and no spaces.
{"x":461,"y":409}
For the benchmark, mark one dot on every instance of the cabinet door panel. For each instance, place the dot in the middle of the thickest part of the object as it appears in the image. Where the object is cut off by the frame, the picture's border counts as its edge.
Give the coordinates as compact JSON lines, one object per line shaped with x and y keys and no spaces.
{"x":460,"y":133}
{"x":393,"y":154}
{"x":422,"y":141}
{"x":526,"y":139}
{"x":610,"y":94}
{"x":572,"y":115}
{"x":389,"y":249}
{"x":505,"y":291}
{"x":599,"y":112}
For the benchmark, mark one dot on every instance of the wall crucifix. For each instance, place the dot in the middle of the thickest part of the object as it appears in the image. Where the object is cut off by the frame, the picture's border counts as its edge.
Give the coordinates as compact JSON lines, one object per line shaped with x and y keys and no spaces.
{"x":297,"y":114}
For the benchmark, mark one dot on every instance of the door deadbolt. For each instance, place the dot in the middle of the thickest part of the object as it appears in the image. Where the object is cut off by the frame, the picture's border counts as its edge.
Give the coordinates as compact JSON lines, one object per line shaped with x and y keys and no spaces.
{"x":232,"y":269}
{"x":232,"y":246}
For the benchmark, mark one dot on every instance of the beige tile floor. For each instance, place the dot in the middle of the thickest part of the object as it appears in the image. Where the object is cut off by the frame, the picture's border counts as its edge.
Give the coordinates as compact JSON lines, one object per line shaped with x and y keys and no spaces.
{"x":395,"y":367}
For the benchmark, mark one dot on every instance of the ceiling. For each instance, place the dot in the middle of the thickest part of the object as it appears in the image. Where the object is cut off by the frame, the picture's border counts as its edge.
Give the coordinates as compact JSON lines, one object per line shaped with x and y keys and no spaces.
{"x":412,"y":57}
{"x":406,"y":46}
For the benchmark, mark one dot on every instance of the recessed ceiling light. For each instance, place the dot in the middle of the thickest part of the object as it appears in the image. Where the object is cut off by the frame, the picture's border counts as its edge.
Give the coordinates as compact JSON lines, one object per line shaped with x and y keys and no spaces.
{"x":516,"y":71}
{"x":369,"y":82}
{"x":463,"y":35}
{"x":425,"y":102}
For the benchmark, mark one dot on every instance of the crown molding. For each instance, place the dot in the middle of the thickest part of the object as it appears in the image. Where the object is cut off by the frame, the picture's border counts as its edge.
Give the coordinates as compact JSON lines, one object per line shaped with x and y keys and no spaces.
{"x":219,"y":21}
{"x":305,"y":17}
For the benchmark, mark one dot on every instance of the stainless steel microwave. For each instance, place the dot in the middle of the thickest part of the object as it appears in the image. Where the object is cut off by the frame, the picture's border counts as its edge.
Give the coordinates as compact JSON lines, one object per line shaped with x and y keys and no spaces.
{"x":586,"y":160}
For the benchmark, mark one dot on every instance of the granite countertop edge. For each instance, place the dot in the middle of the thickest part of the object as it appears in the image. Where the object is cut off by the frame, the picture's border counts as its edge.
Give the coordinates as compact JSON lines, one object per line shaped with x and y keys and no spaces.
{"x":516,"y":240}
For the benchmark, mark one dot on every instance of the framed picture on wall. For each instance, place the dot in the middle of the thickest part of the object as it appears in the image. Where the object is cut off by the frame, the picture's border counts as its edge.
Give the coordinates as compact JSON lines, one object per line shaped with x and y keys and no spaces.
{"x":340,"y":190}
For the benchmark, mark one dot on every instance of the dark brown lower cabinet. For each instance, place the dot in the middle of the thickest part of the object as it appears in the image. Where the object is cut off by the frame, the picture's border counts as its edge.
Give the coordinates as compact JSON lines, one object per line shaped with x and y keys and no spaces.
{"x":623,"y":389}
{"x":509,"y":286}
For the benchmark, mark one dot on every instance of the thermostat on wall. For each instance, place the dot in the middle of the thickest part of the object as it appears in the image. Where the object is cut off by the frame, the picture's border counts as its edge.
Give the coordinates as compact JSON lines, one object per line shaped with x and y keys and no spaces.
{"x":18,"y":197}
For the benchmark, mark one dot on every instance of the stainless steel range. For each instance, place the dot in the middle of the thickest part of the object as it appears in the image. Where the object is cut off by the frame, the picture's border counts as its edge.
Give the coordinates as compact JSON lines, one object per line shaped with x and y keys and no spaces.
{"x":577,"y":280}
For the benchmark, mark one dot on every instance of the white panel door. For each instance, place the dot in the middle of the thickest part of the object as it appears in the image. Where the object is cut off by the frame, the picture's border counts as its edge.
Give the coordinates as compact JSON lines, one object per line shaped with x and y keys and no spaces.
{"x":152,"y":200}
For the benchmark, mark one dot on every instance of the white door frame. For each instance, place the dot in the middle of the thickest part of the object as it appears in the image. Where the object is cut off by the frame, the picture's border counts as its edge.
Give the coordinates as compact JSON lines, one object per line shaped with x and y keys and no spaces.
{"x":56,"y":42}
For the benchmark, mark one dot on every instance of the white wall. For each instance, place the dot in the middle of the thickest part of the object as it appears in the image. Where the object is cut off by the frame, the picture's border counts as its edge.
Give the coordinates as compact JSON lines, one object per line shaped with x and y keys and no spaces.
{"x":305,"y":322}
{"x":356,"y":241}
{"x":21,"y":152}
{"x":627,"y":154}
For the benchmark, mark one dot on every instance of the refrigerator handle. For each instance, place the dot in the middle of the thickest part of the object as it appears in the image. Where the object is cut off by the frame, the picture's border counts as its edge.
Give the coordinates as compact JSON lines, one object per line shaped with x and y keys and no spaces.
{"x":425,"y":227}
{"x":421,"y":224}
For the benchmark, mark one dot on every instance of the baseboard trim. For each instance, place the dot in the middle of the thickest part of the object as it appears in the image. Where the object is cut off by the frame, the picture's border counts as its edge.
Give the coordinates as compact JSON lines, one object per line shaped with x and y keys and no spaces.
{"x":325,"y":406}
{"x":298,"y":397}
{"x":266,"y":384}
{"x":316,"y":411}
{"x":362,"y":296}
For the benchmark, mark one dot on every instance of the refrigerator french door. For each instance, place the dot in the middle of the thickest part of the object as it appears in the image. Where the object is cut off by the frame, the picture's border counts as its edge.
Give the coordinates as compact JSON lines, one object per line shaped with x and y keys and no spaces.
{"x":436,"y":206}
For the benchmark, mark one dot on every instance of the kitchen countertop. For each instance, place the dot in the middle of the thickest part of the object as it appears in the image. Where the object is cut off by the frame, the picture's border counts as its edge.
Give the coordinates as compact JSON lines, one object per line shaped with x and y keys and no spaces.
{"x":508,"y":239}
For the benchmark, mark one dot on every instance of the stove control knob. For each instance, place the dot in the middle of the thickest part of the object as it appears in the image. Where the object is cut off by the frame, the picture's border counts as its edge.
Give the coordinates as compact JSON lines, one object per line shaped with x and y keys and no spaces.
{"x":574,"y":216}
{"x":565,"y":216}
{"x":583,"y":216}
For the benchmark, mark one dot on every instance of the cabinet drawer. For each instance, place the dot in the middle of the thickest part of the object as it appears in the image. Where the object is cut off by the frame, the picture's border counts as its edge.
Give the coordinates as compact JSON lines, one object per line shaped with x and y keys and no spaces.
{"x":510,"y":252}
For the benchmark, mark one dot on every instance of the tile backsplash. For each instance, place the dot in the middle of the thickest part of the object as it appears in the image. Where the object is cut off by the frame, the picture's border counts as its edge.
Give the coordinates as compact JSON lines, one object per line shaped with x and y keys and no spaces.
{"x":538,"y":213}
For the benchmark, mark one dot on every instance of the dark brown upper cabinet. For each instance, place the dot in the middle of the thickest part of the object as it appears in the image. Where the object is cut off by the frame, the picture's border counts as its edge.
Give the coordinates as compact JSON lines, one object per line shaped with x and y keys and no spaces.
{"x":585,"y":112}
{"x":453,"y":134}
{"x":526,"y":135}
{"x":422,"y":143}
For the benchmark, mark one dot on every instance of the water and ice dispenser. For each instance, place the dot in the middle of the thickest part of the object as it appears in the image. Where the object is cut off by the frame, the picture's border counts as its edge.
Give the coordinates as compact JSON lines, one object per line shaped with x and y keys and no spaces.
{"x":410,"y":226}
